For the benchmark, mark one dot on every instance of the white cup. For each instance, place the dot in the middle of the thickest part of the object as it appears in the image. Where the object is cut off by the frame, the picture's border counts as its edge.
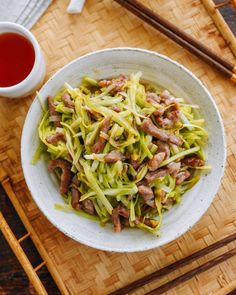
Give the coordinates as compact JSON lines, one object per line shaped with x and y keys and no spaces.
{"x":37,"y":74}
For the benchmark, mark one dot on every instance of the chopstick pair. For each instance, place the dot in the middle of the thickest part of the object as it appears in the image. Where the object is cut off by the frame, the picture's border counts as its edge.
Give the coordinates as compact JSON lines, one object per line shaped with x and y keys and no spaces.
{"x":180,"y":37}
{"x":179,"y":264}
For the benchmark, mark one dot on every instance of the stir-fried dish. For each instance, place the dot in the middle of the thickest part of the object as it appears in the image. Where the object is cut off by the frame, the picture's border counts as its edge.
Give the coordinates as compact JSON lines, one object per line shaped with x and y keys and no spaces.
{"x":123,"y":150}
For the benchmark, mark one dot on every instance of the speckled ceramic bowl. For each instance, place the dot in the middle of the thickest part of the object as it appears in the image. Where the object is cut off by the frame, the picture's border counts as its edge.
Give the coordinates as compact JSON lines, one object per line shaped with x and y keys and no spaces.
{"x":160,"y":70}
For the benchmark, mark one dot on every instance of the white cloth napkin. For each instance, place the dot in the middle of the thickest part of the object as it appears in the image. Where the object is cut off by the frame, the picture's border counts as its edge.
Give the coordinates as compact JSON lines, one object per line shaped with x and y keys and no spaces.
{"x":75,"y":6}
{"x":24,"y":12}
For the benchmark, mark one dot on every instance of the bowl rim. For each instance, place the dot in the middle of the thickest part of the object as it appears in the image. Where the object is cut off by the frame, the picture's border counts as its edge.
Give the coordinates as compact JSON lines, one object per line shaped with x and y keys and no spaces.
{"x":186,"y":227}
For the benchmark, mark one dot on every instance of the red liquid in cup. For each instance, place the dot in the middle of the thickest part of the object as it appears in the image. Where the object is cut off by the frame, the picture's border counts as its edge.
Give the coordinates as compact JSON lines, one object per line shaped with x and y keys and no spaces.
{"x":17,"y":58}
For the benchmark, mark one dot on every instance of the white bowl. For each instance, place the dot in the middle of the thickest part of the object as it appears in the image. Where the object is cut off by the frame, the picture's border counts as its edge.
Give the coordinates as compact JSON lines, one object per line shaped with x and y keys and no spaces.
{"x":165,"y":72}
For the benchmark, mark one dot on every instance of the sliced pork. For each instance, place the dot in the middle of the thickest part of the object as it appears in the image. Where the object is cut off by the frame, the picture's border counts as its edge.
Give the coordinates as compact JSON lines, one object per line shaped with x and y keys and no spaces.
{"x":65,"y":175}
{"x":98,"y":147}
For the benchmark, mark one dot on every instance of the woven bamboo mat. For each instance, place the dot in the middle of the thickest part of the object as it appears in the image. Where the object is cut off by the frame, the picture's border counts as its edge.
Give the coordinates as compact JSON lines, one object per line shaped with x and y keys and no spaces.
{"x":105,"y":24}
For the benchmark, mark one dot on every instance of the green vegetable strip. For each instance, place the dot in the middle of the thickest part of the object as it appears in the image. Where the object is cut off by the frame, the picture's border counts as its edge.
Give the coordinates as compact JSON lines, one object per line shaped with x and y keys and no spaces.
{"x":115,"y":116}
{"x":106,"y":103}
{"x":87,"y":195}
{"x":63,"y":207}
{"x":132,"y":91}
{"x":94,"y":185}
{"x":132,"y":211}
{"x":90,"y":81}
{"x":121,"y":191}
{"x":180,"y":155}
{"x":159,"y":208}
{"x":39,"y":151}
{"x":144,"y":146}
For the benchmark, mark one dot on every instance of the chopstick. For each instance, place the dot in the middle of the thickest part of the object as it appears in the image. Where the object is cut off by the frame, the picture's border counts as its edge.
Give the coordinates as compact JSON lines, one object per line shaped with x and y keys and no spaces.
{"x":183,"y":35}
{"x":190,"y":274}
{"x":179,"y":264}
{"x":180,"y":37}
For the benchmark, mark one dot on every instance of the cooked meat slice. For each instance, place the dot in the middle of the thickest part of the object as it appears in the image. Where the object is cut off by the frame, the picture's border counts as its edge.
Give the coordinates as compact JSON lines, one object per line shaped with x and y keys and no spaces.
{"x":170,"y":117}
{"x":75,"y":199}
{"x":163,"y":147}
{"x":56,"y":120}
{"x":114,"y":156}
{"x":104,"y":83}
{"x":174,"y":115}
{"x":193,"y":161}
{"x":75,"y":181}
{"x":168,"y":202}
{"x":105,"y":125}
{"x":168,"y":121}
{"x":116,"y":213}
{"x":148,"y":127}
{"x":146,"y":192}
{"x":93,"y":115}
{"x":123,"y":77}
{"x":181,"y":176}
{"x":151,"y":203}
{"x":134,"y":163}
{"x":118,"y":83}
{"x":164,"y":95}
{"x":167,"y":98}
{"x":149,"y":222}
{"x":75,"y":193}
{"x":124,"y":222}
{"x":51,"y":107}
{"x":123,"y":212}
{"x":173,"y":168}
{"x":151,"y":176}
{"x":175,"y":139}
{"x":54,"y":138}
{"x":153,"y":98}
{"x":116,"y":109}
{"x":66,"y":173}
{"x":116,"y":220}
{"x":154,"y":163}
{"x":87,"y":206}
{"x":142,"y":182}
{"x":159,"y":112}
{"x":164,"y":122}
{"x":55,"y":116}
{"x":100,"y":144}
{"x":147,"y":195}
{"x":171,"y":100}
{"x":67,"y":101}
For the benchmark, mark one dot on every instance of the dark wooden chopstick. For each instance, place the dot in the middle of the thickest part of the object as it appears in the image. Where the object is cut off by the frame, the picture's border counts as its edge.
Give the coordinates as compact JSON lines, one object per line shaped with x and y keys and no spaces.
{"x":190,"y":274}
{"x":183,"y":35}
{"x":180,"y":37}
{"x":176,"y":265}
